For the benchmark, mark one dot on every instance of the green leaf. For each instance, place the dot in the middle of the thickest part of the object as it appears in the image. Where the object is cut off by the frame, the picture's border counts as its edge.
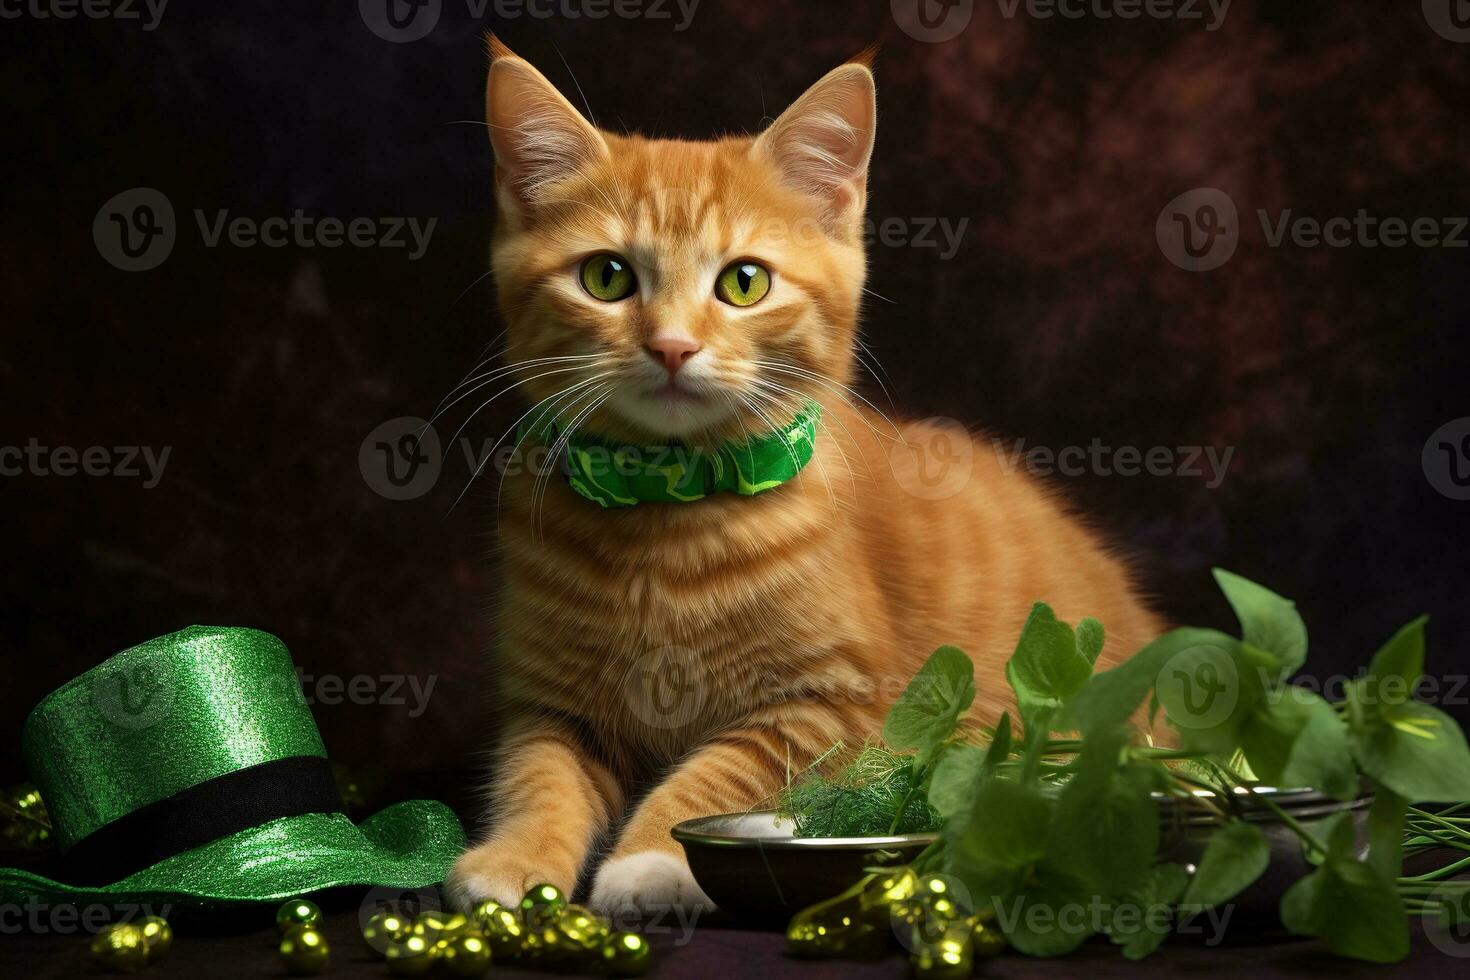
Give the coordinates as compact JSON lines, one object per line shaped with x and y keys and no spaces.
{"x":956,"y":779}
{"x":1397,"y":666}
{"x":1415,"y":750}
{"x":1046,"y":668}
{"x":1106,"y":826}
{"x":1050,"y":916}
{"x":993,"y":846}
{"x":926,"y":713}
{"x":1295,"y":739}
{"x":1386,"y":833}
{"x":1209,"y":692}
{"x":1236,"y":855}
{"x":1090,"y":639}
{"x":1000,"y":745}
{"x":1268,"y":622}
{"x":1145,"y":917}
{"x":1111,"y":697}
{"x":1352,"y":908}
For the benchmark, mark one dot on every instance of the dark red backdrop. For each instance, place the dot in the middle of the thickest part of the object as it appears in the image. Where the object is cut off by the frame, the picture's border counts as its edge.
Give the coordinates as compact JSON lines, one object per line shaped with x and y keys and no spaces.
{"x":1058,"y":319}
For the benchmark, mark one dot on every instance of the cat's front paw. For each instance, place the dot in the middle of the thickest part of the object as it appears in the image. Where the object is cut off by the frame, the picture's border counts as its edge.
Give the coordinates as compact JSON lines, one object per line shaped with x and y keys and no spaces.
{"x":651,"y":881}
{"x":495,"y":871}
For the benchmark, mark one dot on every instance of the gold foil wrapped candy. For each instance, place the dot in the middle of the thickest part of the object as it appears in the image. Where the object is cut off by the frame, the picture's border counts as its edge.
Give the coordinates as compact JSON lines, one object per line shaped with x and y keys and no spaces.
{"x":158,"y":936}
{"x":466,"y":955}
{"x":951,"y":957}
{"x":382,"y":928}
{"x":304,"y":951}
{"x":626,"y":954}
{"x":120,"y":948}
{"x":408,"y":956}
{"x":541,"y":905}
{"x":297,"y":912}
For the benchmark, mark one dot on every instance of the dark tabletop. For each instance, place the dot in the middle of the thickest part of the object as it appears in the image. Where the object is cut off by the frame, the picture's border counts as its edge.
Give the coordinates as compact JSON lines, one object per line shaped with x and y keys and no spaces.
{"x":713,"y":952}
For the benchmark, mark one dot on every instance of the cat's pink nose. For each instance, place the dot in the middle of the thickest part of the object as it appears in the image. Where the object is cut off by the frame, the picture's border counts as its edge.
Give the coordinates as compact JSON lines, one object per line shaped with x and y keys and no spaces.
{"x":671,"y":352}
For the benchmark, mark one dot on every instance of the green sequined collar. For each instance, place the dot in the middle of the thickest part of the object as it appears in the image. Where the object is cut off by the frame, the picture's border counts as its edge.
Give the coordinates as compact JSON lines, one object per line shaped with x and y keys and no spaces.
{"x":613,"y":475}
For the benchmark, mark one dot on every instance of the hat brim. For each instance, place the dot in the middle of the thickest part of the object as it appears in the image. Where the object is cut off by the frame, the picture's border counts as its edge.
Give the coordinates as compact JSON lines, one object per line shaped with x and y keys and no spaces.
{"x":406,"y":845}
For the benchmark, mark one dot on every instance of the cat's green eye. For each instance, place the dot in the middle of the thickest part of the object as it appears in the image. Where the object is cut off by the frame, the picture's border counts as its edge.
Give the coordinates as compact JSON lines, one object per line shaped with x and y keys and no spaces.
{"x":743,"y":283}
{"x":608,"y":278}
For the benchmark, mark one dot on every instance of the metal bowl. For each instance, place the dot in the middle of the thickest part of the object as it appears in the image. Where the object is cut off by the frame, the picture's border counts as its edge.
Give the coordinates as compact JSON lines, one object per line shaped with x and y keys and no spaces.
{"x":752,"y":867}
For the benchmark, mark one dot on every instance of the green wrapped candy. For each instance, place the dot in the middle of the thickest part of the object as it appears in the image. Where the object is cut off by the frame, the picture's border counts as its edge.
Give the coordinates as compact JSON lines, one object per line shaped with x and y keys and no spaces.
{"x":505,"y":932}
{"x":304,"y":951}
{"x":952,"y":957}
{"x":382,"y":929}
{"x":582,"y":929}
{"x":466,"y":955}
{"x":297,"y":912}
{"x":158,"y":936}
{"x":845,"y":926}
{"x":409,"y":956}
{"x":626,"y":954}
{"x":120,"y":948}
{"x":541,"y":905}
{"x":986,"y":940}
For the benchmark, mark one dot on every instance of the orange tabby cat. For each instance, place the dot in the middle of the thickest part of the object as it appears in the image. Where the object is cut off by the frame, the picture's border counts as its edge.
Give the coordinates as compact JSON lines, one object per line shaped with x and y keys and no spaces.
{"x":788,"y":620}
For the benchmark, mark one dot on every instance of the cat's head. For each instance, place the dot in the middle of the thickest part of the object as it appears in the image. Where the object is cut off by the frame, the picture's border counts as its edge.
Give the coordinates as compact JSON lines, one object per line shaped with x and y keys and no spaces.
{"x":673,"y":289}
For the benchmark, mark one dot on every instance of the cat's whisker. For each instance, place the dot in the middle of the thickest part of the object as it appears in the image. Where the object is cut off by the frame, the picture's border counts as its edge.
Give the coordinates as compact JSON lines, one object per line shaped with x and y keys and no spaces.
{"x":553,"y":458}
{"x":491,"y":454}
{"x":545,"y":407}
{"x":524,"y":381}
{"x":821,"y":466}
{"x":826,"y":419}
{"x":841,"y":390}
{"x":559,"y":447}
{"x":846,"y":462}
{"x":479,"y":381}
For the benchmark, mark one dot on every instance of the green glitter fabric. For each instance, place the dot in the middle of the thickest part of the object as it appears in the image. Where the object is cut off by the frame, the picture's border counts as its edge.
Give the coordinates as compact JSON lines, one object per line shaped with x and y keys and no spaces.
{"x":184,"y":709}
{"x":613,"y":475}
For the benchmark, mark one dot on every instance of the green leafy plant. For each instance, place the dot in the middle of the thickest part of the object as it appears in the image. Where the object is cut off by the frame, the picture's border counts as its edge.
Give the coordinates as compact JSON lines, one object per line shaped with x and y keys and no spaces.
{"x":1057,"y":809}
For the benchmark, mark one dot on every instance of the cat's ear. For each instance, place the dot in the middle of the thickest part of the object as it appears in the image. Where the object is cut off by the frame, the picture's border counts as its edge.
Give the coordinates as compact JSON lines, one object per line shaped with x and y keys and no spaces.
{"x":537,"y":135}
{"x":821,"y":144}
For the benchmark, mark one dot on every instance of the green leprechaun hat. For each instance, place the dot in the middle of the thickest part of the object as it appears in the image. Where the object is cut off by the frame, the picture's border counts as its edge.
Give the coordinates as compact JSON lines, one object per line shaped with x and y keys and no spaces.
{"x":189,"y":769}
